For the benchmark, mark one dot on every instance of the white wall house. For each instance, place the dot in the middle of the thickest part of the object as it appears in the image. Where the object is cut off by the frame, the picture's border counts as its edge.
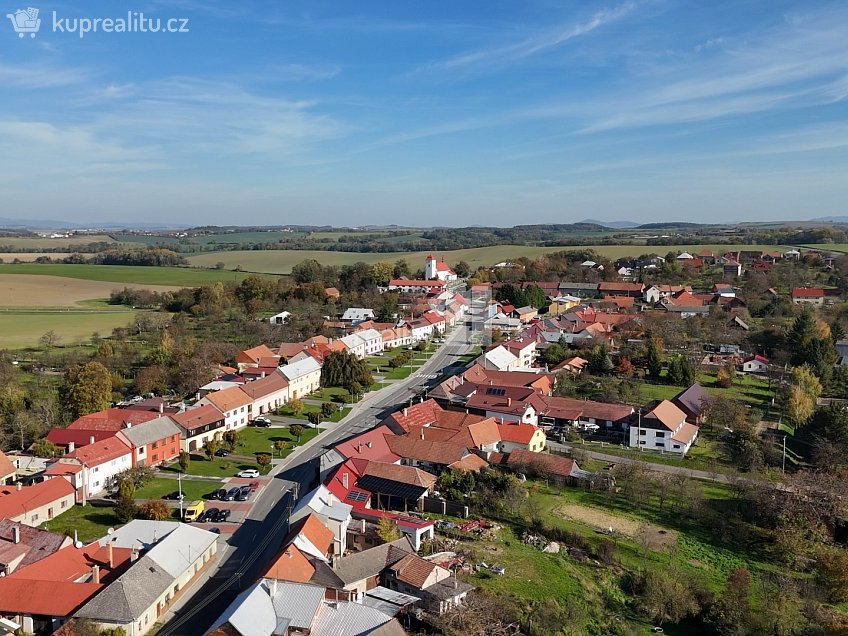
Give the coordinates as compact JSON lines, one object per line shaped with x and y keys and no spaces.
{"x":91,"y":469}
{"x":664,"y":428}
{"x":233,"y":403}
{"x":333,"y":513}
{"x":304,"y":377}
{"x":755,"y":364}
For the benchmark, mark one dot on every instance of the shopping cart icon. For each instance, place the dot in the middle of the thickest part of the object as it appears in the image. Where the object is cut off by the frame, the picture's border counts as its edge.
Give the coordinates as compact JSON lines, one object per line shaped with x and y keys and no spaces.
{"x":25,"y":21}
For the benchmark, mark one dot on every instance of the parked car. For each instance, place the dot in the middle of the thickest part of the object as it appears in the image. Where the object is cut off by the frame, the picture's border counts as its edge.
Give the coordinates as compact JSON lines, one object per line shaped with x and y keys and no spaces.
{"x":219,"y":494}
{"x":176,"y":495}
{"x":254,"y":485}
{"x":232,"y":493}
{"x":210,"y":514}
{"x":250,"y":473}
{"x":244,"y":493}
{"x":262,"y":421}
{"x":221,"y":452}
{"x":223,"y":515}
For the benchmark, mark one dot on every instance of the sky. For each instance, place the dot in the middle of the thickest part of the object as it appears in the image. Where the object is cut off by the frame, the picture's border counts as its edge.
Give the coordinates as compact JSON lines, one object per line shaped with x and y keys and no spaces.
{"x":428,"y":112}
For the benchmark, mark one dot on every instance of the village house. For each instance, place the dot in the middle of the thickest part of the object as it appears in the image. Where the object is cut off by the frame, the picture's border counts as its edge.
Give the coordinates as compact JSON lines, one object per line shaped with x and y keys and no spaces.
{"x":693,"y":401}
{"x":396,"y":487}
{"x":515,"y":436}
{"x":33,"y":505}
{"x":198,"y":425}
{"x":808,"y":296}
{"x":252,"y":357}
{"x":233,"y":403}
{"x":355,"y":315}
{"x":7,"y":470}
{"x":755,"y":364}
{"x":154,"y":442}
{"x":281,"y":318}
{"x":559,"y":412}
{"x":563,"y":471}
{"x":664,"y":428}
{"x":333,"y":513}
{"x":267,"y":394}
{"x":304,"y":377}
{"x":581,"y":290}
{"x":438,"y":270}
{"x":92,"y":468}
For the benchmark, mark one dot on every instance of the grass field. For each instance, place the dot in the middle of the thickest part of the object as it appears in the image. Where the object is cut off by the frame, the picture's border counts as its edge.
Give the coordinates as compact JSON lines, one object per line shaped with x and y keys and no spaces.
{"x":20,"y":328}
{"x":27,"y":290}
{"x":28,"y":257}
{"x":38,"y":243}
{"x":281,"y":261}
{"x":161,"y":486}
{"x":125,"y":274}
{"x":90,"y":522}
{"x":828,"y":247}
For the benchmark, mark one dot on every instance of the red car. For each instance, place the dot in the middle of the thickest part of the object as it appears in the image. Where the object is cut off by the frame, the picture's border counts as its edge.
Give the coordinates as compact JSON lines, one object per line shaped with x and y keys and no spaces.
{"x":254,"y":485}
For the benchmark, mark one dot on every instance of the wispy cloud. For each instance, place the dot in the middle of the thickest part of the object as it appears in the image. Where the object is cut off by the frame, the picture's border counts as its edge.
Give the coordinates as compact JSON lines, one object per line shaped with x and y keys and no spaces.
{"x":40,"y":76}
{"x":511,"y":53}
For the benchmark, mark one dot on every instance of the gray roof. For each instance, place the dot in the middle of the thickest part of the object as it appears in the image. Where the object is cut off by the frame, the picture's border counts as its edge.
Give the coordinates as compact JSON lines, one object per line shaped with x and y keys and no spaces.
{"x":371,"y":562}
{"x":130,"y":595}
{"x":586,"y":286}
{"x":692,"y":400}
{"x":353,"y":619}
{"x":271,"y":607}
{"x":357,"y":313}
{"x":152,"y":431}
{"x":388,"y":601}
{"x":447,"y":589}
{"x":300,"y":368}
{"x":297,"y":602}
{"x":140,"y":533}
{"x":323,"y":503}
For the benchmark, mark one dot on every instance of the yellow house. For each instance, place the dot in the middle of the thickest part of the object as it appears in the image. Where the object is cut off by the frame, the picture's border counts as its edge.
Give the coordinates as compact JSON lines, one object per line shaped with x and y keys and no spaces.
{"x":521,"y":436}
{"x":562,"y":304}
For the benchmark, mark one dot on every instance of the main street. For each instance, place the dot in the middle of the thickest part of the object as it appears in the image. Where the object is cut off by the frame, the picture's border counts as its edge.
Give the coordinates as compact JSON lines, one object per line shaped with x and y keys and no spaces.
{"x":248,"y":551}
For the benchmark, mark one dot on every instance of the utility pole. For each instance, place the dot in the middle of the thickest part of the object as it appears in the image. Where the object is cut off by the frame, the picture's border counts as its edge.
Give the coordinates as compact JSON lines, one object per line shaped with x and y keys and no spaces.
{"x":783,"y":468}
{"x":180,"y":490}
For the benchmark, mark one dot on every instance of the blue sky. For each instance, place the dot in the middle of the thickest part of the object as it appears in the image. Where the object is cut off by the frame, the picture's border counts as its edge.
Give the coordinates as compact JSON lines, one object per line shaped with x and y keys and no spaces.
{"x":421,"y":112}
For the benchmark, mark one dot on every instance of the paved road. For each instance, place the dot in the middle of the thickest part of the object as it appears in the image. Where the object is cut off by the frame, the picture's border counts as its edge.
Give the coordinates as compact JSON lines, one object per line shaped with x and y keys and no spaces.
{"x":243,"y":556}
{"x":659,"y":468}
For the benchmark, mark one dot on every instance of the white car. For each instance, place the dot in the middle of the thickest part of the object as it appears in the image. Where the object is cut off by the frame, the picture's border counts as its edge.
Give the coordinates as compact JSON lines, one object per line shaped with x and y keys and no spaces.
{"x":250,"y":473}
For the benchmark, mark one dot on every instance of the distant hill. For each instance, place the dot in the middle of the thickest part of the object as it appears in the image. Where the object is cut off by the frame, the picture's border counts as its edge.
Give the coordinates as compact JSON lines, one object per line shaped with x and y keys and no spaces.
{"x":50,"y":224}
{"x":619,"y":225}
{"x":831,"y":219}
{"x":669,"y":226}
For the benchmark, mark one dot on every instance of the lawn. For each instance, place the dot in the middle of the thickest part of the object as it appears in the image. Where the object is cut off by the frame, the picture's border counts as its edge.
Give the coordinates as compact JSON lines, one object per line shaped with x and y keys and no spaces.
{"x":90,"y":522}
{"x":254,"y":440}
{"x":173,"y":276}
{"x":21,"y":329}
{"x":312,"y":408}
{"x":220,"y":467}
{"x":192,"y":489}
{"x":748,"y":389}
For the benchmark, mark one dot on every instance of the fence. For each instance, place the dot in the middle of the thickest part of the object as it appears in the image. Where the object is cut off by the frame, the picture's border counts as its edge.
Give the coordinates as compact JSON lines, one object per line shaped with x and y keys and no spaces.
{"x":442,"y":507}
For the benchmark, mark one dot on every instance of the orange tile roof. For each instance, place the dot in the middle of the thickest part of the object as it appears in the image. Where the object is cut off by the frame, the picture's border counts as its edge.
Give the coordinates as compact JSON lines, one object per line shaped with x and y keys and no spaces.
{"x":6,"y":466}
{"x":553,"y":464}
{"x":71,"y":563}
{"x":15,"y":502}
{"x":112,"y":420}
{"x":44,"y":598}
{"x":471,"y":463}
{"x":417,"y":415}
{"x":668,"y":414}
{"x":253,"y":355}
{"x":413,"y":570}
{"x":229,"y":399}
{"x":100,"y":452}
{"x":290,"y":565}
{"x":318,"y":534}
{"x":517,"y":433}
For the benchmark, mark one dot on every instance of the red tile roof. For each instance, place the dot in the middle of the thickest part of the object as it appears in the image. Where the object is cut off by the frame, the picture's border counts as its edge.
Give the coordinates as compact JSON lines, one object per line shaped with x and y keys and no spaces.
{"x":413,"y":570}
{"x":318,"y":534}
{"x":15,"y":502}
{"x":71,"y":563}
{"x":229,"y":399}
{"x":400,"y":474}
{"x":553,"y":464}
{"x":434,"y":452}
{"x":667,"y":414}
{"x":191,"y":419}
{"x":254,"y":355}
{"x":471,"y":463}
{"x":263,"y":387}
{"x":100,"y":452}
{"x":563,"y":407}
{"x":44,"y":598}
{"x":64,"y":436}
{"x":807,"y":292}
{"x":417,"y":415}
{"x":686,"y":434}
{"x":6,"y":466}
{"x":371,"y":445}
{"x":112,"y":420}
{"x":290,"y":565}
{"x":517,"y":433}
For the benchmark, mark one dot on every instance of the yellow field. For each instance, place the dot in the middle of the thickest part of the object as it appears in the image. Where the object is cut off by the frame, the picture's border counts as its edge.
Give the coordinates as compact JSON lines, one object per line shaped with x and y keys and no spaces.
{"x":282,"y":261}
{"x":29,"y":257}
{"x":26,"y":290}
{"x":38,"y":243}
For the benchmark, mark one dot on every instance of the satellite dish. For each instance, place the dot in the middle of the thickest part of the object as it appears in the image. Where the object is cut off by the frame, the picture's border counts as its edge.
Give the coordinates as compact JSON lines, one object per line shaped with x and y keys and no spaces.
{"x":110,"y":531}
{"x":78,"y":545}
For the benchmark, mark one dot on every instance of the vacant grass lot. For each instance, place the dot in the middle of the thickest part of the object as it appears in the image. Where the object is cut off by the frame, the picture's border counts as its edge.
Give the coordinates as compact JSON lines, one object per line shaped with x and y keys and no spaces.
{"x":254,"y":440}
{"x":748,"y":389}
{"x":281,"y":261}
{"x":22,"y":329}
{"x":91,"y":522}
{"x":125,"y":274}
{"x":220,"y":467}
{"x":161,"y":486}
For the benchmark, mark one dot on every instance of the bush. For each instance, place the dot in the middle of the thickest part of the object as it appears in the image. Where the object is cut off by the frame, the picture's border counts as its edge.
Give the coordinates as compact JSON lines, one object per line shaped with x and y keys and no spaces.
{"x":154,"y":510}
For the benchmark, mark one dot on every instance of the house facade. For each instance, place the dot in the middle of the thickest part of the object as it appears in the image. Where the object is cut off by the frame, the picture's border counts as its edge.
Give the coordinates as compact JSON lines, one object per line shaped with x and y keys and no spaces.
{"x":664,"y":428}
{"x":198,"y":425}
{"x":92,"y":468}
{"x":233,"y":403}
{"x":304,"y":377}
{"x":266,"y":394}
{"x":33,"y":505}
{"x":154,"y":442}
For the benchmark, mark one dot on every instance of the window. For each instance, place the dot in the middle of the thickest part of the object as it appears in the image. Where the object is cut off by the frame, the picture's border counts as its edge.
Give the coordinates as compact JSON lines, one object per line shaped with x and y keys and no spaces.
{"x":677,"y":445}
{"x":641,"y":442}
{"x":35,"y":517}
{"x":64,"y":504}
{"x":660,"y":433}
{"x":642,"y":431}
{"x":659,"y":444}
{"x":96,"y":469}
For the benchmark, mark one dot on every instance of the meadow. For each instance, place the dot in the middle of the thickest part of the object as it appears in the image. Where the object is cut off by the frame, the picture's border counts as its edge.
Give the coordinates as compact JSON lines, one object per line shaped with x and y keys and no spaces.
{"x":20,"y":329}
{"x":29,"y":257}
{"x":27,"y":290}
{"x":282,"y":261}
{"x":125,"y":274}
{"x":39,"y":243}
{"x":828,"y":247}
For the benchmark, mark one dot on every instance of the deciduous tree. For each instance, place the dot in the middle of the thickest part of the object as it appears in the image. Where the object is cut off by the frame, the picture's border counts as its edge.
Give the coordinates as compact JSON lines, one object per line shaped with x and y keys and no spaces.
{"x":86,"y":389}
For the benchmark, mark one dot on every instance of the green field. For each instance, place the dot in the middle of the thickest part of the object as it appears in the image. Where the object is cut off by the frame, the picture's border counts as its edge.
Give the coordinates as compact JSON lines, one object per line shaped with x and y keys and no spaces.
{"x":90,"y":522}
{"x":281,"y":261}
{"x":64,"y":244}
{"x":176,"y":276}
{"x":828,"y":247}
{"x":21,"y":328}
{"x":192,"y":488}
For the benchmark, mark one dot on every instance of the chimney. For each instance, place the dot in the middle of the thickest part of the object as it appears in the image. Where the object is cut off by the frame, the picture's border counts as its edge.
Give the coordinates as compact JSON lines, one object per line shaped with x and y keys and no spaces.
{"x":126,"y":425}
{"x":71,"y":447}
{"x":95,"y":573}
{"x":509,"y":401}
{"x":162,"y":406}
{"x":405,"y":411}
{"x":262,"y":376}
{"x":422,"y":433}
{"x":19,"y":486}
{"x":16,"y":534}
{"x":91,"y":438}
{"x":111,"y":557}
{"x":368,"y":444}
{"x":345,"y":480}
{"x":330,"y":499}
{"x":134,"y":555}
{"x":363,"y":525}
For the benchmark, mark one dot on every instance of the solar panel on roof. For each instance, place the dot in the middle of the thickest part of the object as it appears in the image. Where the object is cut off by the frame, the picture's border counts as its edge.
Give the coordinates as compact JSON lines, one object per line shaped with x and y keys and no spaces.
{"x":354,"y":495}
{"x":495,"y":391}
